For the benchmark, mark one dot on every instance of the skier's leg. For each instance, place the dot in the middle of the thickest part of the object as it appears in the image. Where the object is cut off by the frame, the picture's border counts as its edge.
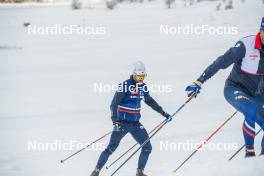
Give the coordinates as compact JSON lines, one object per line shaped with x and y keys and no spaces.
{"x":260,"y":109}
{"x":140,"y":134}
{"x":261,"y":124}
{"x":116,"y":137}
{"x":249,"y":135}
{"x":246,"y":105}
{"x":262,"y":142}
{"x":260,"y":119}
{"x":262,"y":146}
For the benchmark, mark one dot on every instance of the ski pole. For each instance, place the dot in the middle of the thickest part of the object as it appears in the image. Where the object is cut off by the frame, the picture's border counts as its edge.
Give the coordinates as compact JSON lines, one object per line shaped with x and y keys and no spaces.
{"x":241,"y":148}
{"x":206,"y":141}
{"x":107,"y":167}
{"x":160,"y":127}
{"x":62,"y":161}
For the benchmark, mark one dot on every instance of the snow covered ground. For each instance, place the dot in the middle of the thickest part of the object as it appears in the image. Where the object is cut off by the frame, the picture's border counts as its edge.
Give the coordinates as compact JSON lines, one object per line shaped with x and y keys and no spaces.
{"x":47,"y":91}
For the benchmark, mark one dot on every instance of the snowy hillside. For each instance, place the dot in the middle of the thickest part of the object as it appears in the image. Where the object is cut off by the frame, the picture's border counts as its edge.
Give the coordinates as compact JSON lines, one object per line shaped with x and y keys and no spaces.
{"x":47,"y":85}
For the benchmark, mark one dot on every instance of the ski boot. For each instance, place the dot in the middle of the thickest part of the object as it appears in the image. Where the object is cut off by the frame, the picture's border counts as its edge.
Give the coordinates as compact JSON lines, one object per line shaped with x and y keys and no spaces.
{"x":250,"y":152}
{"x":95,"y":172}
{"x":140,"y":172}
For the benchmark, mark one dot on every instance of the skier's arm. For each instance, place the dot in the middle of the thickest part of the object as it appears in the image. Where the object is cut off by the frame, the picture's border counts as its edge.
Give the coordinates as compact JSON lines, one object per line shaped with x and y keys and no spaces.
{"x":118,"y":97}
{"x":233,"y":55}
{"x":153,"y":104}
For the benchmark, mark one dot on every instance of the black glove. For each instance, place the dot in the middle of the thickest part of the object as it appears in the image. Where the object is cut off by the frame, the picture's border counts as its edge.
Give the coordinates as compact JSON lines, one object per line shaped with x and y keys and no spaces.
{"x":117,"y":125}
{"x":167,"y":116}
{"x":117,"y":122}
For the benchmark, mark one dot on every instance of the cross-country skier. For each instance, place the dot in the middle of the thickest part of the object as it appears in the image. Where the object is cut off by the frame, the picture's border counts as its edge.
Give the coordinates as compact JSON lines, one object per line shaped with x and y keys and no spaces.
{"x":125,"y":108}
{"x":244,"y":88}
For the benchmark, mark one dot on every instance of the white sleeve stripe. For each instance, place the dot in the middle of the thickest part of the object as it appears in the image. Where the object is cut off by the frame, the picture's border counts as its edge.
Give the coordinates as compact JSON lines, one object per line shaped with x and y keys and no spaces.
{"x":249,"y":127}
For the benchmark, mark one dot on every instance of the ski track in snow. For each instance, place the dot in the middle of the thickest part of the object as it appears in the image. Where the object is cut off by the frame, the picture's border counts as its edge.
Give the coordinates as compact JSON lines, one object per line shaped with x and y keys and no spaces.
{"x":47,"y":93}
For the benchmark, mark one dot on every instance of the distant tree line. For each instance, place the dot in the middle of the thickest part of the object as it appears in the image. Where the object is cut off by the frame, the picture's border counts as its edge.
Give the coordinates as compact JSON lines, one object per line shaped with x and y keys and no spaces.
{"x":20,"y":1}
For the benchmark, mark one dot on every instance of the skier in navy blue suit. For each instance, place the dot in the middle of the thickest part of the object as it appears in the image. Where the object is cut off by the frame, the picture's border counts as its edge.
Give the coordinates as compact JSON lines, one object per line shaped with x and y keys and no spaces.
{"x":244,"y":88}
{"x":125,"y":109}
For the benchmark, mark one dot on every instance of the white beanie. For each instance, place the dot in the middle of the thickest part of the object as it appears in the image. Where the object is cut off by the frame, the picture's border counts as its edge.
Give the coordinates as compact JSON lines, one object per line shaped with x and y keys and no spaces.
{"x":139,"y":68}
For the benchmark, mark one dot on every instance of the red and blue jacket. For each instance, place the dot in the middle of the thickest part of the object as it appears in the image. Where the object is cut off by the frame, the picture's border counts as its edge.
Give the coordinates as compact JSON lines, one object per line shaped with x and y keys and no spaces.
{"x":126,"y":104}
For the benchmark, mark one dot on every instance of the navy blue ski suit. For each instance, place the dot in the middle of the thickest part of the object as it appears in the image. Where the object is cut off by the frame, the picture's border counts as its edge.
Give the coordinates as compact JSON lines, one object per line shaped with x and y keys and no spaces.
{"x":125,"y":108}
{"x":244,"y":88}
